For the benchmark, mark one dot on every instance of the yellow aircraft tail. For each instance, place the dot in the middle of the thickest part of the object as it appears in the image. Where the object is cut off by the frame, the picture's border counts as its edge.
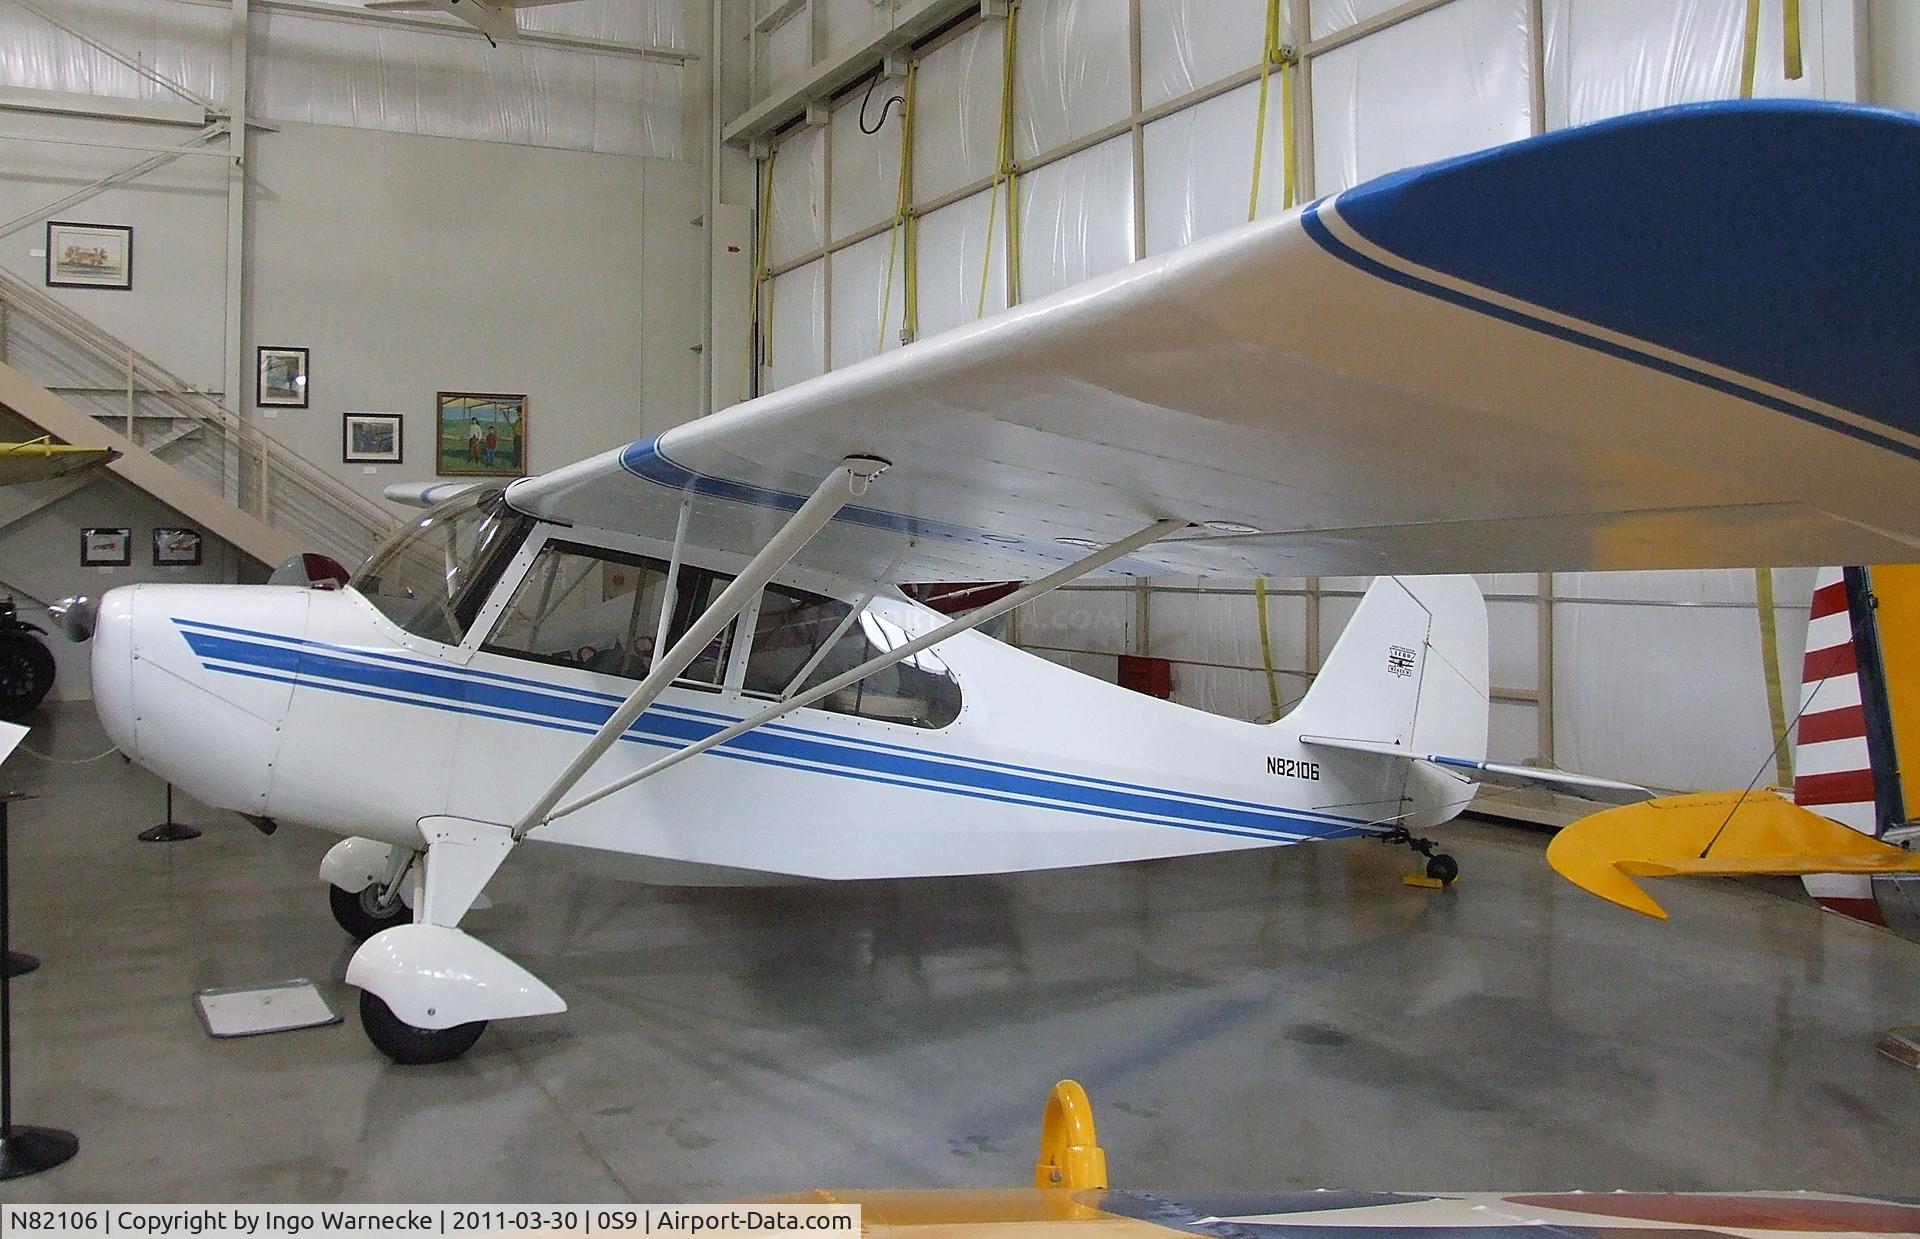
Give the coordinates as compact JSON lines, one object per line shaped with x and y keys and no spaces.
{"x":1711,"y":833}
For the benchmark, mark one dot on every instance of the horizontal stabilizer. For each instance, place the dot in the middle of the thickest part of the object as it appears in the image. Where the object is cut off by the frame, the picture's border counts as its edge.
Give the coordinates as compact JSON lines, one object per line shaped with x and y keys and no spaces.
{"x":1722,"y":834}
{"x":425,"y":494}
{"x":1586,"y":787}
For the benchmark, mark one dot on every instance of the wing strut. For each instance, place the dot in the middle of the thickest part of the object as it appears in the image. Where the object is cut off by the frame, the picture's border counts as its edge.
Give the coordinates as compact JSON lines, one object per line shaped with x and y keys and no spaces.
{"x":848,"y":481}
{"x":972,"y":619}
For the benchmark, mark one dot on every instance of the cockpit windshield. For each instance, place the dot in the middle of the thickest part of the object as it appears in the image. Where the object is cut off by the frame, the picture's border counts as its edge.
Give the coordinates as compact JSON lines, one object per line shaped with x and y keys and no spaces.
{"x":432,"y":576}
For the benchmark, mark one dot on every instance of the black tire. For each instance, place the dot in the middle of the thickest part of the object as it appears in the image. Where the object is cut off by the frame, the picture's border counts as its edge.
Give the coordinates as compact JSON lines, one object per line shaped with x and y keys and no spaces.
{"x":410,"y":1046}
{"x":26,"y":674}
{"x":358,"y":912}
{"x":1443,"y":868}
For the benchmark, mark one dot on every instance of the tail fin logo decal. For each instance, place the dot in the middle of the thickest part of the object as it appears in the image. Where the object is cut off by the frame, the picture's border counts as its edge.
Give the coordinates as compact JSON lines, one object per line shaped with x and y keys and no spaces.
{"x":1399,"y":660}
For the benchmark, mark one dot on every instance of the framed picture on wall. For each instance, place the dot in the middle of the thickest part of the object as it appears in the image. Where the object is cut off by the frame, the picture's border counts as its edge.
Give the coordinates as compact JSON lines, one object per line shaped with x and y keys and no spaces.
{"x":89,"y":255}
{"x":282,"y":380}
{"x":106,"y":548}
{"x":481,"y":435}
{"x":176,"y":548}
{"x":371,"y":439}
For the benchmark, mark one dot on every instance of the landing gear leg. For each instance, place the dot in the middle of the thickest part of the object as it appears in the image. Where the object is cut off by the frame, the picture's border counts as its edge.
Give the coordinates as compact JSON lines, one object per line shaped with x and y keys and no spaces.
{"x":428,"y":989}
{"x":1441,"y":867}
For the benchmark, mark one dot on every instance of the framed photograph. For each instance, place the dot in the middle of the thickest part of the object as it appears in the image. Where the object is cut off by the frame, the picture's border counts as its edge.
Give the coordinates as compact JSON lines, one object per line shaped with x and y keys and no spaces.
{"x":176,"y":548}
{"x":89,"y":255}
{"x":481,"y":435}
{"x":106,"y":548}
{"x":371,"y":439}
{"x":282,"y":381}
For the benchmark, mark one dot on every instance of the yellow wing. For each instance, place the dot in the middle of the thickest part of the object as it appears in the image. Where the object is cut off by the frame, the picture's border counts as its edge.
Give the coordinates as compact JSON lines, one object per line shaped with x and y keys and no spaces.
{"x":39,"y":459}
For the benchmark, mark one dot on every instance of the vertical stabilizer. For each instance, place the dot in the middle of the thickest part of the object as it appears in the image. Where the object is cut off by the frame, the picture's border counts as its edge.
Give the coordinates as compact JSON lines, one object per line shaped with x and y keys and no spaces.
{"x":1844,"y":764}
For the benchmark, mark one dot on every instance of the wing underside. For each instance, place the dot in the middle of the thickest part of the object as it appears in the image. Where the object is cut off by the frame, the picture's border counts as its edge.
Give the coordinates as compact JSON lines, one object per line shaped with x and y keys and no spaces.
{"x":1576,"y":352}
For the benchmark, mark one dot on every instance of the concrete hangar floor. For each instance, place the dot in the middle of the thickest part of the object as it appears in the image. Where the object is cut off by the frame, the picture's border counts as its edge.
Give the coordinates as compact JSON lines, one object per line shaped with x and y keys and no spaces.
{"x":1263,"y":1020}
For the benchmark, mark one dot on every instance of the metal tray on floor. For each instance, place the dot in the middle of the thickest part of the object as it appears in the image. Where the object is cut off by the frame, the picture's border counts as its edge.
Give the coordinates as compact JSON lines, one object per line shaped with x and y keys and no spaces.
{"x":255,"y":1010}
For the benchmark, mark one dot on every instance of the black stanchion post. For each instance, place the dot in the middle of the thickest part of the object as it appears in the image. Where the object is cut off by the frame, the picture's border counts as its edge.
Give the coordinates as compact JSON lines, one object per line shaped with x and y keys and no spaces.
{"x":23,"y":1150}
{"x":169,"y":831}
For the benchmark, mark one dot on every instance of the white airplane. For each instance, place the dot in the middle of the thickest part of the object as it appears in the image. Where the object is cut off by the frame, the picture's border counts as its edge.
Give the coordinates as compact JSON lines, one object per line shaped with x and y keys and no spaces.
{"x":498,"y":20}
{"x":688,"y":659}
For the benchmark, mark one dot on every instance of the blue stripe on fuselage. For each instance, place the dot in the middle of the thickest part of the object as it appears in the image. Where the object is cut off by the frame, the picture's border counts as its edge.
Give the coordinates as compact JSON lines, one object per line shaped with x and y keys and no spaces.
{"x":418,"y":684}
{"x":727,"y":720}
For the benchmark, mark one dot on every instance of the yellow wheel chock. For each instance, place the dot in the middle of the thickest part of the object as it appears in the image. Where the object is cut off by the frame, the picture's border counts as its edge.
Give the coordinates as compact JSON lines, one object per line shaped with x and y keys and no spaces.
{"x":1070,"y":1153}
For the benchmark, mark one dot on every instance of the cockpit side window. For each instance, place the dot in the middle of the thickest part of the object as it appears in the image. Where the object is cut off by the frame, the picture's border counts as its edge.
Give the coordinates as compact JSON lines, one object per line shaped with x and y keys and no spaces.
{"x":432,"y":577}
{"x":599,"y":610}
{"x":594,"y":608}
{"x":801,"y":639}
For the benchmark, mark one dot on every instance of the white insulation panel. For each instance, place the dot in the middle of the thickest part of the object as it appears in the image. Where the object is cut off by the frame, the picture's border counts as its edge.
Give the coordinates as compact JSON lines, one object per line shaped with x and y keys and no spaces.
{"x":1071,"y":67}
{"x":1076,"y":218}
{"x":1202,"y":168}
{"x":958,"y":276}
{"x":799,"y":196}
{"x":799,"y":337}
{"x":957,"y":111}
{"x":1187,"y":44}
{"x":1444,"y":83}
{"x":865,"y":167}
{"x":868,"y":297}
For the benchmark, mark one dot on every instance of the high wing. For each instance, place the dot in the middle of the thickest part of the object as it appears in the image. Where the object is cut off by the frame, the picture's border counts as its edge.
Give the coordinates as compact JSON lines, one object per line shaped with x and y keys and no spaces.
{"x":1634,"y":344}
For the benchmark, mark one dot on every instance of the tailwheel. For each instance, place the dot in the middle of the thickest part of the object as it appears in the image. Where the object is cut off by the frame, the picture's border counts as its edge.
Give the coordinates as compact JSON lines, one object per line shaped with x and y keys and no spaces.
{"x":364,"y":913}
{"x":410,"y":1046}
{"x":1441,"y":868}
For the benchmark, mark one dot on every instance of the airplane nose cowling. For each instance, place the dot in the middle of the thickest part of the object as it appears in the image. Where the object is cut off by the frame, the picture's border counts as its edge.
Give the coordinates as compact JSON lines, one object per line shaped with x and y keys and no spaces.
{"x":113,"y":669}
{"x":194,"y":681}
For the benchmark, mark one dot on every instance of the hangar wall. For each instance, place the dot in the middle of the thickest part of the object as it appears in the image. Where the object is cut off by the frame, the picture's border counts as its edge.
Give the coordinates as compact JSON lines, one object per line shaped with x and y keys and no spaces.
{"x":419,"y":214}
{"x":1133,"y":129}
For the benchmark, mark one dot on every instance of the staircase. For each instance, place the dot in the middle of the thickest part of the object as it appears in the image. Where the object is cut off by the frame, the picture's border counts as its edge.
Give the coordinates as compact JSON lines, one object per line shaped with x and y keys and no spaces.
{"x":77,"y":382}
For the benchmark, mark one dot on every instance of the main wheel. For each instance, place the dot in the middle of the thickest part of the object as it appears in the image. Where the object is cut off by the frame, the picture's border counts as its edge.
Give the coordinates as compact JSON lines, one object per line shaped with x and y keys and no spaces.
{"x":361,"y":914}
{"x":26,"y":674}
{"x":410,"y":1046}
{"x":1443,"y":868}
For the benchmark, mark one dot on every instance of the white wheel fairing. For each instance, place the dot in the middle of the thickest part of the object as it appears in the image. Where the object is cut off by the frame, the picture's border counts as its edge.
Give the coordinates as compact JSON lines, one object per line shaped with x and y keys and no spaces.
{"x":435,"y":977}
{"x":355,"y":864}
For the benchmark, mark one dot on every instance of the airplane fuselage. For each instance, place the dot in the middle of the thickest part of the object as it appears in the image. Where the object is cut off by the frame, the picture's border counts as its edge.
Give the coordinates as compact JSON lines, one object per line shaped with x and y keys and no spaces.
{"x":315,"y":707}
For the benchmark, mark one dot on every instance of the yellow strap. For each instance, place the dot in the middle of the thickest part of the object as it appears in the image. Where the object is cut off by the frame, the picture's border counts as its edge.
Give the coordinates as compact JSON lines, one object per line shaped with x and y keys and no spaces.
{"x":909,"y":220}
{"x":761,"y":267}
{"x":1007,"y":164}
{"x":986,"y":267}
{"x":1289,"y":174}
{"x":1790,"y":39}
{"x":1266,"y":645}
{"x":1270,"y":56}
{"x":1003,"y":173}
{"x":1750,"y":55}
{"x":1770,"y":664}
{"x":902,"y":228}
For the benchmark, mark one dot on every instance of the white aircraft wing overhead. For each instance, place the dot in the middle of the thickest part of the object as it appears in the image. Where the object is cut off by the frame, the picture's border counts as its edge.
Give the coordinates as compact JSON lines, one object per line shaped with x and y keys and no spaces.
{"x":1634,"y":344}
{"x":493,"y":18}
